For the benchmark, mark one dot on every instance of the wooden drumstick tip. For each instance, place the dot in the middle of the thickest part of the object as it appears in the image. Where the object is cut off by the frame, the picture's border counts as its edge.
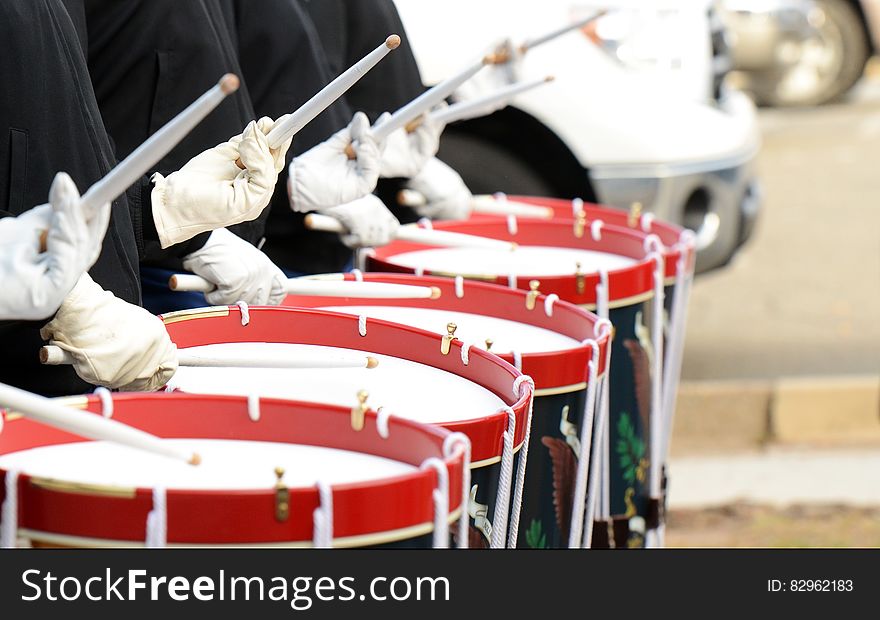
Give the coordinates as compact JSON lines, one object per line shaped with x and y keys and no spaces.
{"x":372,"y":362}
{"x":436,"y":292}
{"x":392,"y":42}
{"x":550,"y":78}
{"x":172,"y":283}
{"x":195,"y":460}
{"x":350,"y":152}
{"x":44,"y":239}
{"x":229,"y":83}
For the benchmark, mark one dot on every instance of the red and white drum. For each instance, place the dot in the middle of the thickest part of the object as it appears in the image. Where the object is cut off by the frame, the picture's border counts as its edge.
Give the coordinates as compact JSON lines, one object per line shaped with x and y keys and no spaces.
{"x":273,"y":473}
{"x":550,"y":340}
{"x":621,"y":272}
{"x":420,"y":376}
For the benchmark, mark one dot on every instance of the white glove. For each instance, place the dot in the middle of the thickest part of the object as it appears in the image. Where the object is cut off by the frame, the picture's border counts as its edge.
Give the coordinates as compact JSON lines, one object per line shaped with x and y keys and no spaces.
{"x":448,"y":198}
{"x":368,"y":221}
{"x":240,"y":271}
{"x":113,"y":343}
{"x":211,"y":191}
{"x":324,"y":176}
{"x":34,"y":282}
{"x":404,"y":154}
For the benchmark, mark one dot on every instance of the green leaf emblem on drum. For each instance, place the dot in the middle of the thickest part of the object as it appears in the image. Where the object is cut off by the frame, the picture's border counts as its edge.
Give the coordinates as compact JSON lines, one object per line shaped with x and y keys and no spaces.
{"x":535,"y":537}
{"x":630,"y":450}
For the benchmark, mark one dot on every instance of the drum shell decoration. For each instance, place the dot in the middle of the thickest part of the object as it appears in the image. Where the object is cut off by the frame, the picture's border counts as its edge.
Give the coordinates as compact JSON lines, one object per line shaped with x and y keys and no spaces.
{"x":332,"y":329}
{"x":631,"y":293}
{"x":560,"y":378}
{"x":392,"y":512}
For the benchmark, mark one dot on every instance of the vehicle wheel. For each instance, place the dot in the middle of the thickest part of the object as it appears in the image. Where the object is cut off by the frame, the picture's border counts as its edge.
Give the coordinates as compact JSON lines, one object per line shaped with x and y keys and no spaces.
{"x":487,"y":168}
{"x":821,"y":66}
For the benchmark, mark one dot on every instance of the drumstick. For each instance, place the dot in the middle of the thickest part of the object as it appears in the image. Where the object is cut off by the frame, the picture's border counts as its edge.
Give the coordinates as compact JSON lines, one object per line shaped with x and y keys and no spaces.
{"x":482,"y":204}
{"x":481,"y":106}
{"x":533,"y":43}
{"x":290,"y":125}
{"x":427,"y":100}
{"x":89,"y":425}
{"x":325,"y":288}
{"x":414,"y":234}
{"x":144,"y":157}
{"x":56,"y":356}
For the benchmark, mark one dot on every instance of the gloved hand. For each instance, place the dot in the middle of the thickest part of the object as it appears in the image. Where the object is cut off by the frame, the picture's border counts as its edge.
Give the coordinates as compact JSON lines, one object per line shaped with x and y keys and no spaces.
{"x":211,"y":191}
{"x":404,"y":154}
{"x":368,"y":221}
{"x":324,"y":176}
{"x":35,"y":282}
{"x":113,"y":343}
{"x":448,"y":198}
{"x":240,"y":271}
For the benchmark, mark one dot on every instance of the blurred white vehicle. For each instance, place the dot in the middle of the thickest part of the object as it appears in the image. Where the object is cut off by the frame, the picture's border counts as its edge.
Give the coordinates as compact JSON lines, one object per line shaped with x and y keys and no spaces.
{"x":638,"y":111}
{"x":801,"y":52}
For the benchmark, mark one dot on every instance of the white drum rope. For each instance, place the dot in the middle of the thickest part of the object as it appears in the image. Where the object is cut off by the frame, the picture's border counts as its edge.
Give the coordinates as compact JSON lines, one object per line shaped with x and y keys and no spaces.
{"x":465,"y":353}
{"x":157,"y":520}
{"x":253,"y":407}
{"x":426,"y":223}
{"x":505,"y":480}
{"x":245,"y":313}
{"x":3,"y":413}
{"x":511,"y":280}
{"x":441,"y":502}
{"x":512,"y":227}
{"x":596,"y":229}
{"x":656,"y":423}
{"x":578,"y":506}
{"x":520,"y":390}
{"x":577,"y":205}
{"x":600,"y":329}
{"x":517,"y":360}
{"x":460,"y":441}
{"x":551,"y":299}
{"x":106,"y":401}
{"x":604,"y":492}
{"x":459,"y":287}
{"x":362,"y":325}
{"x":358,"y":275}
{"x":361,"y":257}
{"x":322,"y":517}
{"x":647,"y":222}
{"x":383,"y":416}
{"x":420,"y":271}
{"x":9,"y":512}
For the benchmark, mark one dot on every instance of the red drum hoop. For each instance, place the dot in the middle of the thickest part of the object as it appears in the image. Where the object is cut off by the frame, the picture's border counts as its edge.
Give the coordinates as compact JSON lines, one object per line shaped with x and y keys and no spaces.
{"x":223,"y":325}
{"x":382,"y":510}
{"x":549,"y":369}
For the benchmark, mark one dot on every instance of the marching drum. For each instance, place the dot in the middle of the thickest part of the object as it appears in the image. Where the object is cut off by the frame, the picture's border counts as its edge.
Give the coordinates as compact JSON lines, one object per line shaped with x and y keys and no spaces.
{"x":549,"y":340}
{"x":272,"y":473}
{"x":620,"y":272}
{"x":420,"y":376}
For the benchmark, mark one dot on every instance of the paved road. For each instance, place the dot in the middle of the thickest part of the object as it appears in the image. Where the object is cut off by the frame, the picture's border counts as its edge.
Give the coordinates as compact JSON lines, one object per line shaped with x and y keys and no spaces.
{"x":803,"y":297}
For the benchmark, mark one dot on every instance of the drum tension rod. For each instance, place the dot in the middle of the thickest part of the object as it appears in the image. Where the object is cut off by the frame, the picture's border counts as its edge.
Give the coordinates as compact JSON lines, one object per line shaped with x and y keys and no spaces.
{"x":580,"y":280}
{"x":532,"y":295}
{"x":359,"y":411}
{"x":282,"y":496}
{"x":580,"y":223}
{"x":489,"y":343}
{"x":635,"y":214}
{"x":446,"y":343}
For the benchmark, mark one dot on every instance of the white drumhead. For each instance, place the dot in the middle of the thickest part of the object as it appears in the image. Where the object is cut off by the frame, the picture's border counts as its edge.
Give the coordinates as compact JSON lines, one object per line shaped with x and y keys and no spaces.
{"x":409,"y":389}
{"x":226,"y":465}
{"x":506,"y":335}
{"x":525,"y":261}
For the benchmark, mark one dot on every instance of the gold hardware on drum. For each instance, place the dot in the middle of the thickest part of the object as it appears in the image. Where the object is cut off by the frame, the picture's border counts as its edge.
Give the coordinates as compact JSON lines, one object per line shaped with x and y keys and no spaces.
{"x":532,"y":297}
{"x":635,"y":214}
{"x":282,"y":496}
{"x":489,"y":343}
{"x":580,"y":280}
{"x":448,"y":338}
{"x":580,"y":223}
{"x":358,"y":412}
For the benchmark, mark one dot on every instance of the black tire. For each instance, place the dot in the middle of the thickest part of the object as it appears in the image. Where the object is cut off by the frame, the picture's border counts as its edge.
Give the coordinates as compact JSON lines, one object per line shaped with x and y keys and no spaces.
{"x":487,"y":168}
{"x":845,"y":28}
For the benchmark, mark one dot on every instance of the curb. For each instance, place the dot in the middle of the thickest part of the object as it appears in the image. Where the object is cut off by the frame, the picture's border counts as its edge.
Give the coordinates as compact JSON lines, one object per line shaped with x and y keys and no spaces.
{"x":735,"y":416}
